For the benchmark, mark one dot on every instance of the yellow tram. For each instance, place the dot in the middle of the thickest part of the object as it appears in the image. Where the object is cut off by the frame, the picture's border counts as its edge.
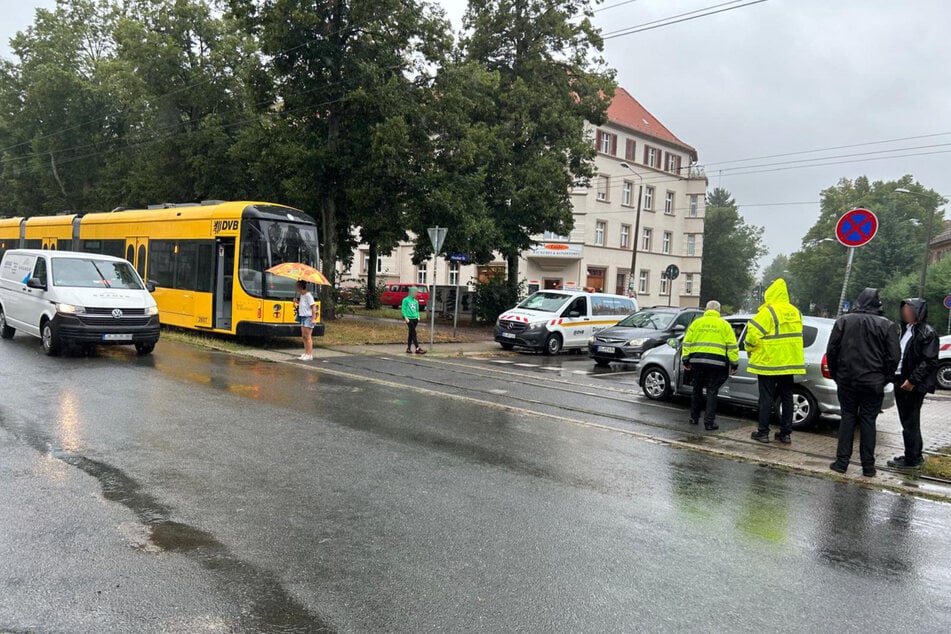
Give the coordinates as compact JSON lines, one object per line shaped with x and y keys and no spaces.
{"x":208,"y":261}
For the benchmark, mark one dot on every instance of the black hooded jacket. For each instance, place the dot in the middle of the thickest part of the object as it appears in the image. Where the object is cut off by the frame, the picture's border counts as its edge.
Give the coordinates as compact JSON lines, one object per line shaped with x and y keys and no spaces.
{"x":863,"y":350}
{"x":919,"y":366}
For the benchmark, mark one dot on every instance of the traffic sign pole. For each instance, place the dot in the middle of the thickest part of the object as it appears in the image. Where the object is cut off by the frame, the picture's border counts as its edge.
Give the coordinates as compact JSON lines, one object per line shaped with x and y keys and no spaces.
{"x":436,"y":236}
{"x":845,"y":284}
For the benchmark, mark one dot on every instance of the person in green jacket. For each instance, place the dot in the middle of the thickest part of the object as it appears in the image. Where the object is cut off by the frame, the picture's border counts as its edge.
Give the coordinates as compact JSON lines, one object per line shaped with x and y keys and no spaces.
{"x":410,"y":308}
{"x":710,"y":352}
{"x":774,"y":341}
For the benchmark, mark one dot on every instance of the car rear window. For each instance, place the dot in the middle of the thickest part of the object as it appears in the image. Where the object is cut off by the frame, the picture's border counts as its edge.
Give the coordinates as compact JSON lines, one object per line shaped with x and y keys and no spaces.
{"x":809,"y":336}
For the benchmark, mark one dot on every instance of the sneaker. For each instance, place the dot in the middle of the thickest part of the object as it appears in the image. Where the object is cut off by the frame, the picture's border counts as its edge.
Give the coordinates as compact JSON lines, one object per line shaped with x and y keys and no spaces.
{"x":869,"y":472}
{"x":835,"y":466}
{"x":711,"y":426}
{"x":900,"y":462}
{"x":760,"y":436}
{"x":786,"y":439}
{"x":420,"y":351}
{"x":305,"y":357}
{"x":409,"y":351}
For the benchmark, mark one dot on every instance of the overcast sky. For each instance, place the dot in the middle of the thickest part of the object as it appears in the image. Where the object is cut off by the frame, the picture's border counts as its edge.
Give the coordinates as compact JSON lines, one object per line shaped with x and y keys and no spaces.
{"x":777,"y":77}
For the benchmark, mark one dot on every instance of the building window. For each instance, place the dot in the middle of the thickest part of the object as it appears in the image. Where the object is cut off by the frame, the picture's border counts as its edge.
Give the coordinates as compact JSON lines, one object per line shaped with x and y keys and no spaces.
{"x":642,"y":279}
{"x":665,"y":248}
{"x":454,"y":274}
{"x":646,"y":239}
{"x":604,"y":185}
{"x":599,"y":227}
{"x":551,"y":236}
{"x":629,"y":147}
{"x":649,"y":198}
{"x":664,"y":285}
{"x":651,"y":156}
{"x":688,"y":283}
{"x":625,"y":236}
{"x":620,"y":286}
{"x":607,"y":143}
{"x":627,"y":193}
{"x":694,"y":205}
{"x":691,"y":244}
{"x":673,"y":163}
{"x":421,"y":273}
{"x":366,"y":264}
{"x":669,"y":204}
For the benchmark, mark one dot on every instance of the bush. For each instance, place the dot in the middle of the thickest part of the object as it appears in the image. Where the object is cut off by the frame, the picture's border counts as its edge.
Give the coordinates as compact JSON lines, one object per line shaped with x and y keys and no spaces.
{"x":494,"y":297}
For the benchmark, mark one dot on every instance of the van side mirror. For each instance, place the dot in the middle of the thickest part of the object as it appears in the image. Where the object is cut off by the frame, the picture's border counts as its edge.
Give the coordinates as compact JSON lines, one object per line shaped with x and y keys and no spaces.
{"x":35,"y":283}
{"x":150,"y":286}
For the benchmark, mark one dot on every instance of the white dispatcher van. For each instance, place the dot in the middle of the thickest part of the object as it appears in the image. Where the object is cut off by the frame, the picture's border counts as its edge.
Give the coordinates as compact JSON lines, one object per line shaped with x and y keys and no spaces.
{"x":553,"y":320}
{"x":68,"y":298}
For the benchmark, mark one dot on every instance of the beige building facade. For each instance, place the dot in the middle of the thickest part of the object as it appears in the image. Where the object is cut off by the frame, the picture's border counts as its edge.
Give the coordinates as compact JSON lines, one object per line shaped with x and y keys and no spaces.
{"x":637,"y":156}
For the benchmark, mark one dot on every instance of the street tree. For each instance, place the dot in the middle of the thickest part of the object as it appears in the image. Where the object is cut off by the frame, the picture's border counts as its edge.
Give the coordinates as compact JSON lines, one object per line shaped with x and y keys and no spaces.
{"x":731,"y":250}
{"x":551,"y":79}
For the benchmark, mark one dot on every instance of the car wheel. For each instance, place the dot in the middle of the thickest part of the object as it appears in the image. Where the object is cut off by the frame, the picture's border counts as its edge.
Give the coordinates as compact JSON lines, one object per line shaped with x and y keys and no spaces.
{"x":655,"y":383}
{"x":805,"y":409}
{"x":553,"y":344}
{"x":507,"y":346}
{"x":144,"y":348}
{"x":5,"y":331}
{"x":51,"y":343}
{"x":602,"y":363}
{"x":944,"y":375}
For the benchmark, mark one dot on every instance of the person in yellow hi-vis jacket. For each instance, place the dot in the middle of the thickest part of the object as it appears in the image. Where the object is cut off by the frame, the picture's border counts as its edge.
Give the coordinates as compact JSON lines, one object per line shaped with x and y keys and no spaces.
{"x":774,"y":341}
{"x":710,"y":352}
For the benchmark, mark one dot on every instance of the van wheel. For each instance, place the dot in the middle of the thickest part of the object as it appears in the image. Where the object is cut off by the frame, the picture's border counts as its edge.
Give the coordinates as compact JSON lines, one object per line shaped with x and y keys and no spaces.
{"x":144,"y":348}
{"x":553,"y":344}
{"x":5,"y":331}
{"x":51,"y":342}
{"x":943,"y":377}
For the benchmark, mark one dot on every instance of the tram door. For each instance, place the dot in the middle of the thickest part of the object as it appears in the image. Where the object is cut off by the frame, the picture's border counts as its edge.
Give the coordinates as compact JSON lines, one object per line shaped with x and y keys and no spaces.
{"x":224,"y":282}
{"x":136,"y":252}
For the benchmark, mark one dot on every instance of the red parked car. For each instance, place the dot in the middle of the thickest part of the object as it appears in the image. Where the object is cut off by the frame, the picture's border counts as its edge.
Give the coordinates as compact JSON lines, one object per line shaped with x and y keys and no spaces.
{"x":395,"y":293}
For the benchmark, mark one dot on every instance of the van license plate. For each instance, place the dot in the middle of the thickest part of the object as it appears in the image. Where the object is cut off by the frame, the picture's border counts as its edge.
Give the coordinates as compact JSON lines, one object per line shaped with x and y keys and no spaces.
{"x":606,"y":349}
{"x":508,"y":335}
{"x":116,"y":337}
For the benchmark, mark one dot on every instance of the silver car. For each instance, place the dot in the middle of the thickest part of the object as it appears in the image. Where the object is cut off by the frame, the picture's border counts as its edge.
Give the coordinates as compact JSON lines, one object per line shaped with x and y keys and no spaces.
{"x":660,"y":374}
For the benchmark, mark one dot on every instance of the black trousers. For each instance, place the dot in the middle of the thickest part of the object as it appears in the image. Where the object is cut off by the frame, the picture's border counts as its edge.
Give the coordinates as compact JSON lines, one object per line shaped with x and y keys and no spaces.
{"x":709,"y":379}
{"x":909,"y":412}
{"x":860,"y":408}
{"x":769,"y":387}
{"x":411,"y":341}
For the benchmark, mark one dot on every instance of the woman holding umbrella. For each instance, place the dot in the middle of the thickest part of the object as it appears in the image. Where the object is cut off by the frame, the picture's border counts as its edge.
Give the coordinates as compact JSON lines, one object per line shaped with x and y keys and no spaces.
{"x":305,"y":315}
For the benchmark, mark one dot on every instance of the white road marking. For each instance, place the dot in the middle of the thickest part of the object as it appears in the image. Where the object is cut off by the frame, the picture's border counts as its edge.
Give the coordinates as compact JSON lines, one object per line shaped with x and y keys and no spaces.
{"x":527,"y":365}
{"x":501,"y":361}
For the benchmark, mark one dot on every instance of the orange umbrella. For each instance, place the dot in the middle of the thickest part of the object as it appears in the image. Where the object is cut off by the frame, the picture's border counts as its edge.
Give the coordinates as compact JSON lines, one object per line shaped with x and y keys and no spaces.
{"x":298,"y":271}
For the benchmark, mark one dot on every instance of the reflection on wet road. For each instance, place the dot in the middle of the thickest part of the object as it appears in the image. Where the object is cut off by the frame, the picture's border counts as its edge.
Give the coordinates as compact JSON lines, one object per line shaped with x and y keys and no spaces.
{"x":196,"y":490}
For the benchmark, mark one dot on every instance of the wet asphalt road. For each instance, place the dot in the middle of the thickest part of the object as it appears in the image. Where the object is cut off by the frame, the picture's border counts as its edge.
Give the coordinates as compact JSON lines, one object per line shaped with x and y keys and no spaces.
{"x":195,"y":491}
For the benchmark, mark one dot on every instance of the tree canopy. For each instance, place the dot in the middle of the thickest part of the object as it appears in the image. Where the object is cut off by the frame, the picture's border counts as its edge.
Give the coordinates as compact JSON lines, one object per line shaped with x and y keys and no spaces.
{"x":731,"y":250}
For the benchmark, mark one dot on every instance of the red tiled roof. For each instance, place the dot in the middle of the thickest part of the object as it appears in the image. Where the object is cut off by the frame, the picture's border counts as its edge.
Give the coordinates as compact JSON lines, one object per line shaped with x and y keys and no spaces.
{"x":627,"y":111}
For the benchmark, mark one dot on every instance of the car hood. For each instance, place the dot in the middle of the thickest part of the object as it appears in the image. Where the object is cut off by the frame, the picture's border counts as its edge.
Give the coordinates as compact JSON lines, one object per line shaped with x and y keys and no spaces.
{"x":626,"y":333}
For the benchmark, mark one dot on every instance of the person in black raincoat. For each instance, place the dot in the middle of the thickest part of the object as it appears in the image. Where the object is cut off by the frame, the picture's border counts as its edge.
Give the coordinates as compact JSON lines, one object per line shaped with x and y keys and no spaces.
{"x":862,"y":355}
{"x":915,"y":377}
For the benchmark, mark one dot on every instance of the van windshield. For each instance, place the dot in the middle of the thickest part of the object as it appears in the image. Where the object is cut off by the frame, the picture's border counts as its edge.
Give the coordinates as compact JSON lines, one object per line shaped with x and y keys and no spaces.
{"x":544,"y":302}
{"x":88,"y":273}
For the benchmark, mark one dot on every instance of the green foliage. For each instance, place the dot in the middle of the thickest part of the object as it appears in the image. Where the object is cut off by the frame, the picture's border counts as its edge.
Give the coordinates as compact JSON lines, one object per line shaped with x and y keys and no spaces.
{"x":937,"y":288}
{"x":819,"y":266}
{"x":731,"y":249}
{"x":494,"y":297}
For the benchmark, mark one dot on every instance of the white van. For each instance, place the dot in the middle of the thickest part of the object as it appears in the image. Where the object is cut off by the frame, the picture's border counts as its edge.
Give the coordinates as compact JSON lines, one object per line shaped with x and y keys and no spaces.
{"x":555,"y":320}
{"x":68,"y":298}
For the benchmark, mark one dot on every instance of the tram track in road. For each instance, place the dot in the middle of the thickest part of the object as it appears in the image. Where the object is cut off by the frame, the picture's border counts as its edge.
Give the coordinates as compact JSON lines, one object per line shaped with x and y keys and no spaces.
{"x":497,"y":397}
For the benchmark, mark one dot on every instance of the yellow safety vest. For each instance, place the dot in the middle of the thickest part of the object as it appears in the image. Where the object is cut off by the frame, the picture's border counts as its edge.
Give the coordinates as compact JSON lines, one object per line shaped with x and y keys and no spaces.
{"x":711,"y":342}
{"x":774,"y":335}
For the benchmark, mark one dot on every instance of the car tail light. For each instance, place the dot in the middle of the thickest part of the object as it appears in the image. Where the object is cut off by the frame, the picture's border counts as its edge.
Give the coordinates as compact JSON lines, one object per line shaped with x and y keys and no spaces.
{"x":825,"y":367}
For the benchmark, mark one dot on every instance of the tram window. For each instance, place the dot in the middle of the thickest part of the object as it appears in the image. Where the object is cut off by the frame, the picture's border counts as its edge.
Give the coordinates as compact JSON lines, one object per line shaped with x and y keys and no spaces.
{"x":115,"y":248}
{"x":186,"y":265}
{"x":91,"y":246}
{"x":64,"y":245}
{"x":33,"y":244}
{"x":162,"y":263}
{"x":206,"y":267}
